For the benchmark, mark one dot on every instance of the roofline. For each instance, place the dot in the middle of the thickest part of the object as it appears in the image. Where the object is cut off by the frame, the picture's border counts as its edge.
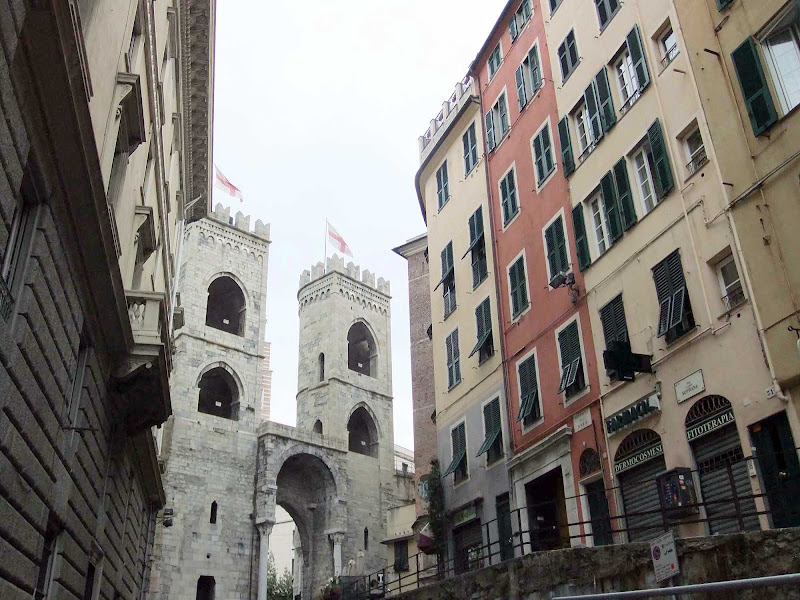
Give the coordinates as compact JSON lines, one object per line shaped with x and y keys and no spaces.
{"x":412,"y":246}
{"x":500,"y":19}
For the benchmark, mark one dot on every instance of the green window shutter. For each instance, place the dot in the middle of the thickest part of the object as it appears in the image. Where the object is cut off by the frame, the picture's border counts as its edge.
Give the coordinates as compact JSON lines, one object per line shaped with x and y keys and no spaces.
{"x":612,"y":316}
{"x":473,"y":232}
{"x":620,"y":323}
{"x":723,"y":3}
{"x":513,"y":281}
{"x":547,"y":147}
{"x":581,"y":242}
{"x":593,"y":110}
{"x":519,"y":77}
{"x":561,"y":245}
{"x":524,"y":388}
{"x":538,"y":154}
{"x":624,"y":196}
{"x":465,"y":142}
{"x":445,"y":267}
{"x":535,"y":68}
{"x":607,"y":115}
{"x":567,"y":159}
{"x":526,"y":9}
{"x":755,"y":91}
{"x":552,"y":254}
{"x":637,"y":56}
{"x":611,"y":207}
{"x":502,"y":110}
{"x":671,"y":291}
{"x":490,"y":142}
{"x":512,"y":27}
{"x":663,"y":172}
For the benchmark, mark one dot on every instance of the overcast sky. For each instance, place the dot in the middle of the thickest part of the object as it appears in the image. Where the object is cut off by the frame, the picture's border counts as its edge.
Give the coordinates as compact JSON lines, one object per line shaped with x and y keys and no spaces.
{"x":317,"y":109}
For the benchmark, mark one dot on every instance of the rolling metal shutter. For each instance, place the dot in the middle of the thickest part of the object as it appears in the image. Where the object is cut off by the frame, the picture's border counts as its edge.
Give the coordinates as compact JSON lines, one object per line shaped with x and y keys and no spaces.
{"x":640,"y":495}
{"x":713,"y":454}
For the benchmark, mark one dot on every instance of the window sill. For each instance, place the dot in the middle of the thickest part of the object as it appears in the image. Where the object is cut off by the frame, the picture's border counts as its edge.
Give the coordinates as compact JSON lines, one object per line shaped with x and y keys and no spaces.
{"x":665,"y":65}
{"x":448,"y":315}
{"x":726,"y":314}
{"x":485,"y":360}
{"x":522,"y":313}
{"x":498,"y":461}
{"x":513,"y":218}
{"x":503,"y":138}
{"x":526,"y":429}
{"x":576,"y":397}
{"x":611,"y":18}
{"x":692,"y":175}
{"x":441,"y":208}
{"x":547,"y":178}
{"x":475,"y":286}
{"x":565,"y":78}
{"x":460,"y":483}
{"x":454,"y":386}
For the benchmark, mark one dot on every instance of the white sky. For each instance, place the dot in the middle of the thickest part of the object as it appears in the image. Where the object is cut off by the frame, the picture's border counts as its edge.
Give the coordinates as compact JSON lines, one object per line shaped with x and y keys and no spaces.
{"x":318,"y":107}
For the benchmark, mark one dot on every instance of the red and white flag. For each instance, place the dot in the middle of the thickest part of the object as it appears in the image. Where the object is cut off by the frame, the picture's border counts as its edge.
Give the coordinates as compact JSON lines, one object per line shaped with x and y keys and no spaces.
{"x":221,"y":182}
{"x":337,"y":241}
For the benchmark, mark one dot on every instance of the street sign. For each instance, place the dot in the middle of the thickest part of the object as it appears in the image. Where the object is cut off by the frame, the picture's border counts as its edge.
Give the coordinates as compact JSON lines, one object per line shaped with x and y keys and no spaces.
{"x":665,"y":557}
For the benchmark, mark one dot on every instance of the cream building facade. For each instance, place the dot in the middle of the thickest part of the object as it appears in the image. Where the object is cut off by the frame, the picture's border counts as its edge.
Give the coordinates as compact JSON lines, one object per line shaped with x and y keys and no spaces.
{"x":470,"y":399}
{"x":662,"y":274}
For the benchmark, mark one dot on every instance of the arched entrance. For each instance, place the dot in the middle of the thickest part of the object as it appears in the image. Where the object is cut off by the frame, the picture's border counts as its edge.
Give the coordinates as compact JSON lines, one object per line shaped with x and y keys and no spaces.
{"x":637,"y":462}
{"x":711,"y":431}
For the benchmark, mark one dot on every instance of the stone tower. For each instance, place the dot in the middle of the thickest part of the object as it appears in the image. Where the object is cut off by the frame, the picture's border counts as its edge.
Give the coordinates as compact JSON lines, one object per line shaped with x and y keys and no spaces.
{"x":209,"y":443}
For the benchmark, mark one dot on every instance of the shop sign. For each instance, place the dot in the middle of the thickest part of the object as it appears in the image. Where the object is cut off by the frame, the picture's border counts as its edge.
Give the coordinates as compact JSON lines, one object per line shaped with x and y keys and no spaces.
{"x":465,"y":516}
{"x":639,"y":458}
{"x":582,"y":420}
{"x":710,"y":425}
{"x":631,"y":414}
{"x":690,"y":386}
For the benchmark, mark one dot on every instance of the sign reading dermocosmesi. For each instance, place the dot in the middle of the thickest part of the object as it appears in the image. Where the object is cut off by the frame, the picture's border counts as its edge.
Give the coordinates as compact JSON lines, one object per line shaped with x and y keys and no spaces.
{"x":638,"y":458}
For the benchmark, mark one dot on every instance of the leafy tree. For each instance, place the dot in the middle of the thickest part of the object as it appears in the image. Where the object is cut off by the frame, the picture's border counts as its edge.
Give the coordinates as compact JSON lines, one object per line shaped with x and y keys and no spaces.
{"x":437,"y":514}
{"x":278,"y":588}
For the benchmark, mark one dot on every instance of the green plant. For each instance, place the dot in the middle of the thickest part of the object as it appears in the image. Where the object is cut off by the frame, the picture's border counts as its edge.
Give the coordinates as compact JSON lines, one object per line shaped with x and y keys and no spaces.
{"x":437,"y":514}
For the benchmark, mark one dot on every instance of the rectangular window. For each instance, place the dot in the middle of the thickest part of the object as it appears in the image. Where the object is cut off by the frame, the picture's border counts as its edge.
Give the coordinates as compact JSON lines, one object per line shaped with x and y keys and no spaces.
{"x":72,"y":407}
{"x":453,"y":360}
{"x":470,"y":149}
{"x":493,"y":432}
{"x":519,"y":287}
{"x":448,"y":281}
{"x":572,"y":376}
{"x":508,"y":197}
{"x":695,"y":151}
{"x":401,"y":556}
{"x":556,"y":246}
{"x":626,"y":80}
{"x":442,"y":185}
{"x":586,"y":139}
{"x":612,"y":316}
{"x":530,"y":409}
{"x":675,"y":318}
{"x":755,"y":91}
{"x":568,"y":55}
{"x":782,"y":49}
{"x":17,"y":248}
{"x":528,"y":78}
{"x":668,"y":44}
{"x":477,"y":246}
{"x":730,"y":284}
{"x":495,"y":59}
{"x":44,"y":577}
{"x":606,"y":9}
{"x":497,"y":124}
{"x":643,"y":163}
{"x":543,"y":155}
{"x":599,"y":224}
{"x":519,"y":18}
{"x":136,"y":37}
{"x":458,"y":466}
{"x":483,"y":325}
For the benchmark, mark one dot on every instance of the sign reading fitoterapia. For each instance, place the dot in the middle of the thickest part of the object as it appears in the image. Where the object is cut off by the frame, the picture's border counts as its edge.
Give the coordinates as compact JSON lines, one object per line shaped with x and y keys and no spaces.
{"x":710,"y":425}
{"x":631,"y":414}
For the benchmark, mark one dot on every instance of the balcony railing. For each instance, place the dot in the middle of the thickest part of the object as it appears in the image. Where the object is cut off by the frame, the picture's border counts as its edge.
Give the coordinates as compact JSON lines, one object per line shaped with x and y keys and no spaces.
{"x":450,"y":105}
{"x":114,"y":230}
{"x":734,"y":298}
{"x":699,"y":158}
{"x":669,"y":56}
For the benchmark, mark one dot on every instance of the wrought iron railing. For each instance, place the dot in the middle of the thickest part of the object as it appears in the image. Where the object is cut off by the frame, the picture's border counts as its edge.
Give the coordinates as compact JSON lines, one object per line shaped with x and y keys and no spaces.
{"x":734,"y":298}
{"x":669,"y":55}
{"x":730,"y":509}
{"x":699,"y":158}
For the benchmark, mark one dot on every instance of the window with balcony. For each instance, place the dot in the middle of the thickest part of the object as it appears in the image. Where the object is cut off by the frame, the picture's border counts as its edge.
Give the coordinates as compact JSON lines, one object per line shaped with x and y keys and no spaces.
{"x":508,"y":197}
{"x":695,"y":151}
{"x":477,"y":247}
{"x":606,"y":9}
{"x":730,"y":284}
{"x":470,"y":142}
{"x":448,"y":280}
{"x":573,"y":378}
{"x":543,"y":155}
{"x":518,"y":287}
{"x":528,"y":78}
{"x":675,"y":318}
{"x":519,"y":19}
{"x":497,"y":124}
{"x":568,"y":55}
{"x":495,"y":60}
{"x":668,"y":45}
{"x":442,"y":185}
{"x":492,"y":444}
{"x":453,"y":359}
{"x":530,"y":409}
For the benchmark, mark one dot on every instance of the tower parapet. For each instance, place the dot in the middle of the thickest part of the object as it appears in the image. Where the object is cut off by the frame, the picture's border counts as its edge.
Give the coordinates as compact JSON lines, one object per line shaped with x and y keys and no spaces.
{"x":336,"y":264}
{"x":240,"y":221}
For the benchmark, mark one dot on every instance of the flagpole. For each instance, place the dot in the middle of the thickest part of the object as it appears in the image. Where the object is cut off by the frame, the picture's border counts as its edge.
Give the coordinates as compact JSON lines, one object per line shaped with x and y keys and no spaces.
{"x":325,"y":256}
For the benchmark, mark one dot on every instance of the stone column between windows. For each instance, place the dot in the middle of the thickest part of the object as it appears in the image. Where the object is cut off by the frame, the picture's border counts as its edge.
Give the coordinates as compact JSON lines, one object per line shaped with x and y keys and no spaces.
{"x":338,"y":540}
{"x":264,"y":529}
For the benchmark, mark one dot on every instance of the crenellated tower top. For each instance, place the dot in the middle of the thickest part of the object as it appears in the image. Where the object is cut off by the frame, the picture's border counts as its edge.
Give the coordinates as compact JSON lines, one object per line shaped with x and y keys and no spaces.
{"x":240,"y":221}
{"x":353,"y":271}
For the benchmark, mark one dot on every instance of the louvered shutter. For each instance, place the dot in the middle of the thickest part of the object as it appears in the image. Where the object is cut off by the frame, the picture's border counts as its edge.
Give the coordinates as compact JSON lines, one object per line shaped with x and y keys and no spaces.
{"x":456,"y":356}
{"x":490,"y":142}
{"x":561,"y":245}
{"x":448,"y":343}
{"x":581,"y":242}
{"x":524,"y":389}
{"x":637,"y":56}
{"x":547,"y":149}
{"x":755,"y":91}
{"x":535,"y":68}
{"x":473,"y":232}
{"x":606,"y":105}
{"x":502,"y":110}
{"x":562,"y":59}
{"x":663,"y":172}
{"x":620,"y":322}
{"x":465,"y":142}
{"x":567,"y":159}
{"x":552,"y":251}
{"x":624,"y":196}
{"x":611,"y":207}
{"x":664,"y":292}
{"x":526,"y":9}
{"x":487,"y":317}
{"x":512,"y":27}
{"x":479,"y":320}
{"x":593,"y":110}
{"x":538,"y":154}
{"x":612,"y":316}
{"x":514,"y":284}
{"x":445,"y":267}
{"x":519,"y":76}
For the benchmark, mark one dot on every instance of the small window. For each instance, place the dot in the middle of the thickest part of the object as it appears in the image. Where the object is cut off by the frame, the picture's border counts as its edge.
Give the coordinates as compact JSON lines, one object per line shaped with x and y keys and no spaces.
{"x":477,"y":247}
{"x":318,"y":427}
{"x":213,"y":518}
{"x":17,"y":247}
{"x":508,"y":197}
{"x":668,"y":45}
{"x":497,"y":124}
{"x":599,"y":225}
{"x":136,"y":37}
{"x":321,"y":361}
{"x":401,"y":555}
{"x":458,"y":466}
{"x":606,"y":9}
{"x":448,"y":280}
{"x":675,"y":318}
{"x":484,"y":345}
{"x":695,"y":151}
{"x":528,"y":78}
{"x":493,"y":432}
{"x":470,"y":143}
{"x":530,"y":410}
{"x":442,"y":185}
{"x":495,"y":59}
{"x":730,"y":284}
{"x":453,"y":360}
{"x":518,"y":287}
{"x":568,"y":55}
{"x":782,"y":49}
{"x":519,"y":19}
{"x":72,"y":407}
{"x":573,"y":379}
{"x":556,"y":248}
{"x":366,"y":538}
{"x":543,"y":155}
{"x":362,"y":351}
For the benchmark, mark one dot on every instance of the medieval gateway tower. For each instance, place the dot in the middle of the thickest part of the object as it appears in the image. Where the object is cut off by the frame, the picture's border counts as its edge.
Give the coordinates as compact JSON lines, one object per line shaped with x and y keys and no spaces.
{"x":224,"y":473}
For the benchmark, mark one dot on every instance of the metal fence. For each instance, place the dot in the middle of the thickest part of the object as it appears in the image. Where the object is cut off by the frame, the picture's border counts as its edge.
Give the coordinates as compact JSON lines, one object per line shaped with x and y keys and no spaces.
{"x":517,"y":533}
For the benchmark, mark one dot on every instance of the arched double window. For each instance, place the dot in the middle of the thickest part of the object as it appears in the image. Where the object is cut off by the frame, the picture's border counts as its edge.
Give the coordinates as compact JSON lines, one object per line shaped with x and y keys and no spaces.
{"x":226,"y":306}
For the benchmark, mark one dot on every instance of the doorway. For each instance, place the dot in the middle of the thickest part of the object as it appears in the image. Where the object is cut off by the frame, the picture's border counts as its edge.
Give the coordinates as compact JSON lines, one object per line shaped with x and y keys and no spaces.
{"x":547,"y":514}
{"x":780,"y":469}
{"x":468,"y":542}
{"x":205,"y":588}
{"x":599,"y":514}
{"x":505,"y":534}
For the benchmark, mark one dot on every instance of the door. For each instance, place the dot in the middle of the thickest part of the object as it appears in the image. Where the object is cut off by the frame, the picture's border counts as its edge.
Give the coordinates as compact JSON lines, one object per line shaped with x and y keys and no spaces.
{"x":504,"y":532}
{"x":780,"y":469}
{"x":547,"y":512}
{"x":599,"y":513}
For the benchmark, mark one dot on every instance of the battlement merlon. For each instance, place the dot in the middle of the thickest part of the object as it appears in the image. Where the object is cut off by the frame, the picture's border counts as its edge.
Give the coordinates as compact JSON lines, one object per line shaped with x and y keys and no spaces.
{"x":240,"y":221}
{"x":335,"y":264}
